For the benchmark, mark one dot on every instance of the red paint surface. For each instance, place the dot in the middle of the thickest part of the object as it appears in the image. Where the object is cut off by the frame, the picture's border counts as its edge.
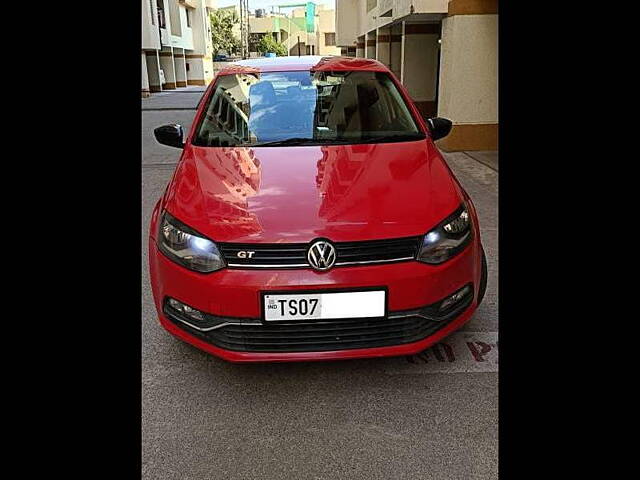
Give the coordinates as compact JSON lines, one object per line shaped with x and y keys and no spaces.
{"x":297,"y":194}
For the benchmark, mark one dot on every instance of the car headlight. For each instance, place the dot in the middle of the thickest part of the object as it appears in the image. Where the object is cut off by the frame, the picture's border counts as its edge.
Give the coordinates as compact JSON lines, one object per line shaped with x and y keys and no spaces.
{"x":447,"y":239}
{"x":187,"y":247}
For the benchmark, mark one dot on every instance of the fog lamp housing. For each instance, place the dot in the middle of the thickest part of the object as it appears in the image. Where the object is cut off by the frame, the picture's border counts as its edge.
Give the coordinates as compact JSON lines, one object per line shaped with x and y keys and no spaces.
{"x":185,"y":309}
{"x":455,"y":299}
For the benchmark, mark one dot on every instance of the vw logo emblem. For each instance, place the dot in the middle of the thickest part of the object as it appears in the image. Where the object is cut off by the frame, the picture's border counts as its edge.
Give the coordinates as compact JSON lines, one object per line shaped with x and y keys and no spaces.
{"x":321,"y":255}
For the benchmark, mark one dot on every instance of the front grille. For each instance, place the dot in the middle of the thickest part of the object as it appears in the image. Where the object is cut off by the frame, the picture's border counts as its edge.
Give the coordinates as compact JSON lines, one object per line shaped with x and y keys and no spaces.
{"x":252,"y":335}
{"x":322,"y":336}
{"x":349,"y":253}
{"x":294,"y":255}
{"x":265,"y":254}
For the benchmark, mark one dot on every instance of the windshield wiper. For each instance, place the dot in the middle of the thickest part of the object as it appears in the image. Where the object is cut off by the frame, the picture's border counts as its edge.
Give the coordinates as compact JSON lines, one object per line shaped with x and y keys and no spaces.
{"x":341,"y":141}
{"x":288,"y":141}
{"x":393,"y":138}
{"x":303,"y":141}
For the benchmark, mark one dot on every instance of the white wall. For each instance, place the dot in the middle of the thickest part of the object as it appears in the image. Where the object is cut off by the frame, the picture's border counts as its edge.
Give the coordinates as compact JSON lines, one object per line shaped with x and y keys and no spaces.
{"x":346,"y":22}
{"x":187,"y":32}
{"x":167,"y":65}
{"x":150,"y":39}
{"x":196,"y":69}
{"x":396,"y":52}
{"x":200,"y":69}
{"x":402,"y":8}
{"x":173,"y":11}
{"x":145,"y":75}
{"x":370,"y":50}
{"x":201,"y":40}
{"x":326,"y":24}
{"x":152,"y":71}
{"x":420,"y":65}
{"x":383,"y":49}
{"x":351,"y":25}
{"x":469,"y":69}
{"x":180,"y":68}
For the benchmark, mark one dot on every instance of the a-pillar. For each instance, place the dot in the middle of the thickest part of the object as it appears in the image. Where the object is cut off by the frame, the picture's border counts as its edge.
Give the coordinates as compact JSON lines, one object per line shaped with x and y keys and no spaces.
{"x":168,"y":67}
{"x":180,"y":66}
{"x":395,"y":63}
{"x":360,"y":49}
{"x":371,"y":45}
{"x":383,"y":45}
{"x":469,"y":75}
{"x":153,"y":70}
{"x":420,"y":50}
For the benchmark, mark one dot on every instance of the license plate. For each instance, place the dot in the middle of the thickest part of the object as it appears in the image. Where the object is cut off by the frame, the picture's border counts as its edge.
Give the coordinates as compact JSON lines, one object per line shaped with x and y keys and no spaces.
{"x":321,"y":306}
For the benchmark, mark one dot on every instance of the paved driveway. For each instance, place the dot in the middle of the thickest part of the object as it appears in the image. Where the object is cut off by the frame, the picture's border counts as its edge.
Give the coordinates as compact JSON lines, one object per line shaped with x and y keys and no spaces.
{"x":434,"y":415}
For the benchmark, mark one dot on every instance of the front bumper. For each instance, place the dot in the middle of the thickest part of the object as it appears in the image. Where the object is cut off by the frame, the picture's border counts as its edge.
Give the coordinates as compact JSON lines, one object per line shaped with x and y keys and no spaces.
{"x":235,"y":294}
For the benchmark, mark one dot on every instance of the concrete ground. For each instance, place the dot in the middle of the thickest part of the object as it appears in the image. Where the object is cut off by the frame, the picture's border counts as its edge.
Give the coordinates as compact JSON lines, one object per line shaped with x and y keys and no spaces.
{"x":434,"y":415}
{"x":490,"y":159}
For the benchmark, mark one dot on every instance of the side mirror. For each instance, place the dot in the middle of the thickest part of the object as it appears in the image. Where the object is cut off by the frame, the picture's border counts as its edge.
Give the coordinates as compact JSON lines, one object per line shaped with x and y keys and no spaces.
{"x":170,"y":135}
{"x":440,"y":127}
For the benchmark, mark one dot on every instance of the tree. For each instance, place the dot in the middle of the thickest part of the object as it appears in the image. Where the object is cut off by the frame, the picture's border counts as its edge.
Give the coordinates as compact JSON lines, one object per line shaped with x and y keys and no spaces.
{"x":268,"y":44}
{"x":237,"y":46}
{"x":222,"y":22}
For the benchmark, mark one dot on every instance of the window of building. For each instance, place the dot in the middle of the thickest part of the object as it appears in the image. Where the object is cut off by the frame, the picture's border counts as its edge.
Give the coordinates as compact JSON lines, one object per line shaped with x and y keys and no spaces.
{"x":186,"y":11}
{"x":161,"y":20}
{"x":330,"y":39}
{"x":153,"y":20}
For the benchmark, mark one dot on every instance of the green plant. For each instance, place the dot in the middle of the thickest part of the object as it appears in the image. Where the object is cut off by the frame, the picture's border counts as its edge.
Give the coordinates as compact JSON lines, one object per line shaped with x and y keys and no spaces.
{"x":237,"y":46}
{"x":268,"y":44}
{"x":222,"y":22}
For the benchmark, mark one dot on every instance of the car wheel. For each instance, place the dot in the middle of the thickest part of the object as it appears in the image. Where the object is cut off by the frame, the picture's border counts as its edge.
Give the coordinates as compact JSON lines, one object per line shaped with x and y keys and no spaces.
{"x":483,"y":278}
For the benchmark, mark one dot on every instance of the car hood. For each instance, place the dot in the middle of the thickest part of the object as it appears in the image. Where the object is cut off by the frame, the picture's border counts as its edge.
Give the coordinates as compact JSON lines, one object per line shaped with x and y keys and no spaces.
{"x":297,"y":194}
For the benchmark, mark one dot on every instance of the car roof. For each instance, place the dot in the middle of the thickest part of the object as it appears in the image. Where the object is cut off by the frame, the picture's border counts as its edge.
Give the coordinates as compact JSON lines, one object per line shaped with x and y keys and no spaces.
{"x":304,"y":62}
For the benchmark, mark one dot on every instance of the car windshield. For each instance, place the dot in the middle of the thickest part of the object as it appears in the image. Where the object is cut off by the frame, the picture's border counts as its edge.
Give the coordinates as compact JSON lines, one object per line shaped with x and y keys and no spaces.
{"x":305,"y":108}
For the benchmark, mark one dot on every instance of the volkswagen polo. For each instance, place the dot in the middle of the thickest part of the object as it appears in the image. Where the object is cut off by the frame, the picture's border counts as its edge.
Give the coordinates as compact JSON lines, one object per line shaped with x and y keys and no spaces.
{"x":311,"y":217}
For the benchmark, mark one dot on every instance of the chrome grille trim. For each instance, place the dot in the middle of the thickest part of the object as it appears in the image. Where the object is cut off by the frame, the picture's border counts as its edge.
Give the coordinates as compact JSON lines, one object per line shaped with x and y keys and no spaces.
{"x":306,"y":265}
{"x":294,"y":255}
{"x":246,"y":265}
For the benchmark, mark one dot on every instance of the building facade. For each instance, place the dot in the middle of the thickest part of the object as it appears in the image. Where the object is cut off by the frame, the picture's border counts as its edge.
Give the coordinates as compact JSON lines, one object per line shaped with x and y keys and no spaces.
{"x":307,"y":29}
{"x":445,"y":52}
{"x":176,"y":44}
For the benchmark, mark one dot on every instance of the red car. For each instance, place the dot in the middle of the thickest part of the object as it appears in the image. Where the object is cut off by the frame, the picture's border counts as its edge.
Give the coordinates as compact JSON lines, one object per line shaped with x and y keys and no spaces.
{"x":311,"y":217}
